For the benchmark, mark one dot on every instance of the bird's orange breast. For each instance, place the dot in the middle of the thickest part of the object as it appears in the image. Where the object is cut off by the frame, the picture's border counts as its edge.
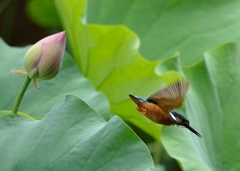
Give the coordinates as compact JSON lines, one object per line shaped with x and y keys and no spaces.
{"x":154,"y":113}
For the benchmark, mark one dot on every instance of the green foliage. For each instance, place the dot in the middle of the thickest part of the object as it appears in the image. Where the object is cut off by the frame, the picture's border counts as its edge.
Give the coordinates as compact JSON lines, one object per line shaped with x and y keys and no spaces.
{"x":109,"y":61}
{"x":164,"y":27}
{"x":44,"y":13}
{"x":212,"y":108}
{"x":108,"y":56}
{"x":72,"y":136}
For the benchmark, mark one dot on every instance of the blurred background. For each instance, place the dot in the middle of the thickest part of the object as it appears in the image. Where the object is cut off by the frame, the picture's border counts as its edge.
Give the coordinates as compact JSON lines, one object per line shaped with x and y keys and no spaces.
{"x":16,"y":26}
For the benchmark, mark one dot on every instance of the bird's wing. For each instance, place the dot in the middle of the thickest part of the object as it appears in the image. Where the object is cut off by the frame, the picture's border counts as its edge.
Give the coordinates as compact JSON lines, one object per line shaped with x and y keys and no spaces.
{"x":170,"y":97}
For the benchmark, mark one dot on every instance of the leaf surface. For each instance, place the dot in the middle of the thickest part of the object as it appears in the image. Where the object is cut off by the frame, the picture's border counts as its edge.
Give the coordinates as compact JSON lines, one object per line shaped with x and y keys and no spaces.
{"x":72,"y":136}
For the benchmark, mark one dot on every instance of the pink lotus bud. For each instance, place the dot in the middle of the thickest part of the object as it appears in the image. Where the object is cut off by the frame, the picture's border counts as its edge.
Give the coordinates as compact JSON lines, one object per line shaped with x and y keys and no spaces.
{"x":43,"y":60}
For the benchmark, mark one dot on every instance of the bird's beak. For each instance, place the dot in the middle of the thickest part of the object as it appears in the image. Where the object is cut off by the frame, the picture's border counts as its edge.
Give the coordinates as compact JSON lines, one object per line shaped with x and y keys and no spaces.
{"x":134,"y":99}
{"x":193,"y":130}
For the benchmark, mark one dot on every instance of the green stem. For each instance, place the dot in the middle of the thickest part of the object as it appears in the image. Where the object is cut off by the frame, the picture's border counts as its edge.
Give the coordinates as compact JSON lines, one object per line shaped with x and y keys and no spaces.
{"x":20,"y":95}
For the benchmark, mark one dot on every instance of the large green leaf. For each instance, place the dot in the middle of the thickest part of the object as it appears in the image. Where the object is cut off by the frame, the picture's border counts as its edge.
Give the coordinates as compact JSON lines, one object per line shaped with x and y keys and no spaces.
{"x":212,"y":108}
{"x":164,"y":27}
{"x":39,"y":102}
{"x":108,"y":56}
{"x":72,"y":136}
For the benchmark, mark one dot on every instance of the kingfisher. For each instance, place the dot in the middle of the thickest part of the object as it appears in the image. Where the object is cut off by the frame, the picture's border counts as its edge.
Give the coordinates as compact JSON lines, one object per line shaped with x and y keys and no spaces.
{"x":159,"y":106}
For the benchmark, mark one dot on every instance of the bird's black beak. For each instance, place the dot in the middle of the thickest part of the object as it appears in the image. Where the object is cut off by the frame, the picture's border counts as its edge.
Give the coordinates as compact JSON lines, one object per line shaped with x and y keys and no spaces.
{"x":134,"y":99}
{"x":193,"y":130}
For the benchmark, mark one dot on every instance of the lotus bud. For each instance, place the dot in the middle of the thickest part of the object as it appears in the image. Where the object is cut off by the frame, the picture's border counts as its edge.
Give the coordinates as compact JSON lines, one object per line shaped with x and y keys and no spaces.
{"x":43,"y":60}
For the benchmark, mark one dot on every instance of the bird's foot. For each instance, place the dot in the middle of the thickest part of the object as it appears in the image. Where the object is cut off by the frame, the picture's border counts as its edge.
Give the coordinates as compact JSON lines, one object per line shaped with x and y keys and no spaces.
{"x":142,"y":110}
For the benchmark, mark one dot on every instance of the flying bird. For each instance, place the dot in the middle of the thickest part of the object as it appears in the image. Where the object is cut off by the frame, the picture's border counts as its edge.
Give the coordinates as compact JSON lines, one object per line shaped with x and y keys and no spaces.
{"x":159,"y":106}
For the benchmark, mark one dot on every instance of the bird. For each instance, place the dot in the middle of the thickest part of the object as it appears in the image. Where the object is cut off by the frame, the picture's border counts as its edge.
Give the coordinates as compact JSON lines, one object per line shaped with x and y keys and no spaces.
{"x":159,"y":106}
